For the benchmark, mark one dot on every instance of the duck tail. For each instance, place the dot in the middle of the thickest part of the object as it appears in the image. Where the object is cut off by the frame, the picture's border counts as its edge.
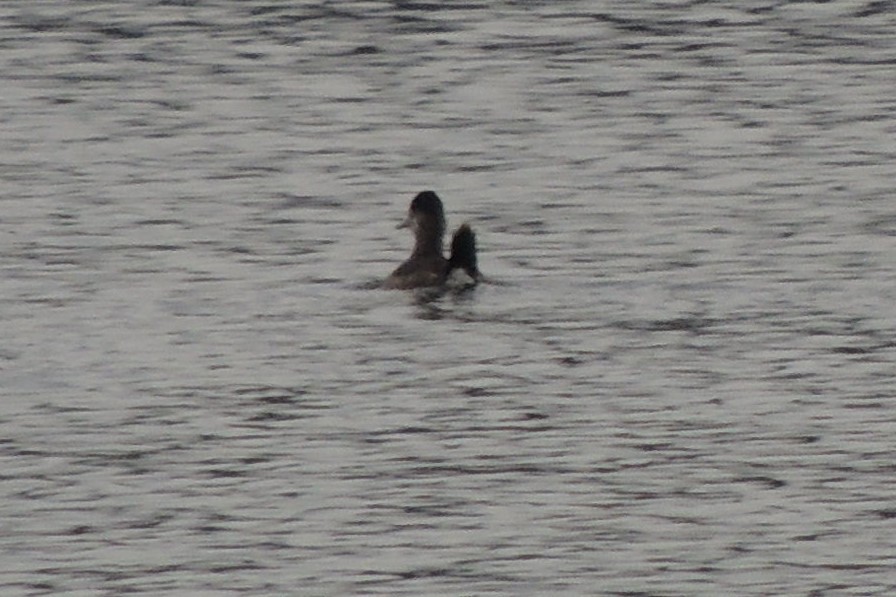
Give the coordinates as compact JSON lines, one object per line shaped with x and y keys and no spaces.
{"x":463,"y":252}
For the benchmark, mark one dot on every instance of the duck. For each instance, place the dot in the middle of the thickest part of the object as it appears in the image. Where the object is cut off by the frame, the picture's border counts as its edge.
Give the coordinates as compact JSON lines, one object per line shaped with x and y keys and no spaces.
{"x":427,"y":266}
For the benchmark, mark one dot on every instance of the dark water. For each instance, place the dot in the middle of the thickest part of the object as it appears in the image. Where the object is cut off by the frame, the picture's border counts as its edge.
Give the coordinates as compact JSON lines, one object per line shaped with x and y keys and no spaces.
{"x":680,"y":380}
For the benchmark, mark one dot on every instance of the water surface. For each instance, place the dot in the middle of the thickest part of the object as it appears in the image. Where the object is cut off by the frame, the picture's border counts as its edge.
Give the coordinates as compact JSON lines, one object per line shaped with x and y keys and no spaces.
{"x":678,"y":380}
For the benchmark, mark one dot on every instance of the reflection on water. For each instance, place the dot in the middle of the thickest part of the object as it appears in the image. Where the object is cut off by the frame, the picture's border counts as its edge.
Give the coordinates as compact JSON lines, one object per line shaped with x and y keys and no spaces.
{"x":676,"y":380}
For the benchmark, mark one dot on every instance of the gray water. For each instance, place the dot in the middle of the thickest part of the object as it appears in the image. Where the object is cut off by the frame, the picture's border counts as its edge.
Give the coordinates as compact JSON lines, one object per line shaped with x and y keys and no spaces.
{"x":678,"y":379}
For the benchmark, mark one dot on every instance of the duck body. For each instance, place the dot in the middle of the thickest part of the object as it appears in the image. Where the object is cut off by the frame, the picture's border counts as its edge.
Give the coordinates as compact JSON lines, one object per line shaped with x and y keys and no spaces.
{"x":427,"y":266}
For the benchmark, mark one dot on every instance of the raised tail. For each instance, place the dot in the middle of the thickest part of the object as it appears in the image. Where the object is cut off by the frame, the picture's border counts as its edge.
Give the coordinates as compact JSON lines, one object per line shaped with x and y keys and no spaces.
{"x":463,"y":253}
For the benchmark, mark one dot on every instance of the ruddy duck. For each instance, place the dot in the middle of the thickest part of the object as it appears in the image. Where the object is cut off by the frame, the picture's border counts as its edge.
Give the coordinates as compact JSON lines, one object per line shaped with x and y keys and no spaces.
{"x":427,"y":266}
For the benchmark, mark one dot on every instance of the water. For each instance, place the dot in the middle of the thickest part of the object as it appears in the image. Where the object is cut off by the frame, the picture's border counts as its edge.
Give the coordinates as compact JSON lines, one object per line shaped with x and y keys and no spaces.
{"x":679,"y":380}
